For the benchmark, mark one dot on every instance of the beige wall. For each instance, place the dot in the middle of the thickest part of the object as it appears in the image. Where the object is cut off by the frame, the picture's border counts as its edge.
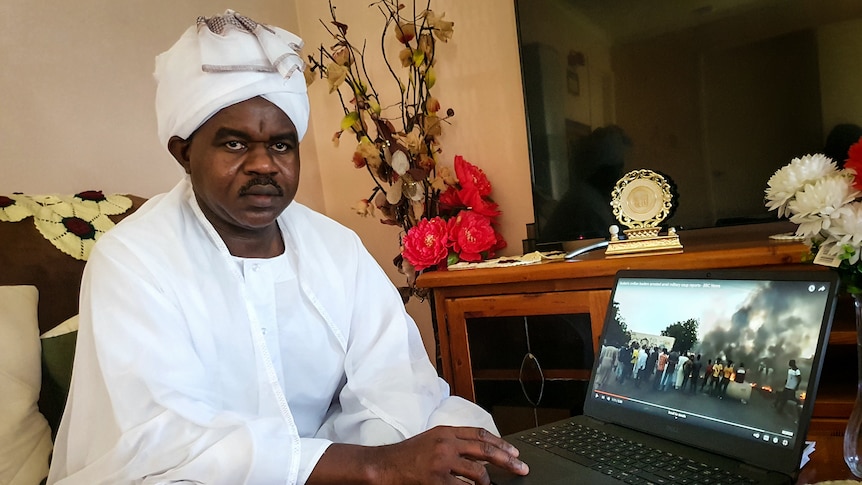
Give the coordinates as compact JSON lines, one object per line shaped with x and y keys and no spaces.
{"x":76,"y":111}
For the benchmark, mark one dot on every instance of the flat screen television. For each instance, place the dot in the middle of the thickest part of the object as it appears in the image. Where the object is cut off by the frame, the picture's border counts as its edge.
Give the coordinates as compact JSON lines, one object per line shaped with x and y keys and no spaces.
{"x":713,"y":96}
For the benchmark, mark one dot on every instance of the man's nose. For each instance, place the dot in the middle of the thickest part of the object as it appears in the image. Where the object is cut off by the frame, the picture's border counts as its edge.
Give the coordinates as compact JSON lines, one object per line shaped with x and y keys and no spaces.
{"x":259,"y":159}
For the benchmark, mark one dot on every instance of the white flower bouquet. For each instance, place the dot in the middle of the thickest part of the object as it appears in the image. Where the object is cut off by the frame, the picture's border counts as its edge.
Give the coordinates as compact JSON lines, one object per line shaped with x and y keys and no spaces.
{"x":824,"y":200}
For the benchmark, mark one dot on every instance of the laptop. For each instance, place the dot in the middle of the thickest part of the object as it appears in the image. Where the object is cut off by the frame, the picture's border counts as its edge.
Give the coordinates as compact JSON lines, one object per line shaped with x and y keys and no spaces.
{"x":755,"y":340}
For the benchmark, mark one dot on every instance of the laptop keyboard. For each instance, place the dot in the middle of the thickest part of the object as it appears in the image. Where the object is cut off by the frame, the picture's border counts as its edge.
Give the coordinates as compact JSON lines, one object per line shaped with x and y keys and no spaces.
{"x":628,"y":461}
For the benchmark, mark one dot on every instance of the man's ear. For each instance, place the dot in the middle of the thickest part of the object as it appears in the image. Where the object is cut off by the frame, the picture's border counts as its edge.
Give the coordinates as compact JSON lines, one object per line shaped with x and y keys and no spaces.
{"x":179,"y":148}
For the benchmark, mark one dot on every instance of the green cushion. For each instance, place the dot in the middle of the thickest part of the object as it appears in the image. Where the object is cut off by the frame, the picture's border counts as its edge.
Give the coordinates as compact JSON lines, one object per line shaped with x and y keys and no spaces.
{"x":57,"y":355}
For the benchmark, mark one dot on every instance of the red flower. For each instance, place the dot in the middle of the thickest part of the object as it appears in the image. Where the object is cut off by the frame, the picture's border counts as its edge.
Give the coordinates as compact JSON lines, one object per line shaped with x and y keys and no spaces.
{"x":470,"y":175}
{"x":854,"y":162}
{"x":467,"y":198}
{"x":450,"y":199}
{"x":426,"y":243}
{"x":473,"y":200}
{"x":471,"y":234}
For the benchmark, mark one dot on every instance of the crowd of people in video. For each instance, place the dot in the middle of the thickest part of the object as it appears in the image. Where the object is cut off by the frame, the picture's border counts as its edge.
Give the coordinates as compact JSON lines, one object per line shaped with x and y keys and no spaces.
{"x":659,"y":369}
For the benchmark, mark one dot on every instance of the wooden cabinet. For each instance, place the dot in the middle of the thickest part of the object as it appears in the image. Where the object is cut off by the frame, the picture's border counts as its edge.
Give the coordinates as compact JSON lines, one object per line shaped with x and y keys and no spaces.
{"x":479,"y":311}
{"x":464,"y":374}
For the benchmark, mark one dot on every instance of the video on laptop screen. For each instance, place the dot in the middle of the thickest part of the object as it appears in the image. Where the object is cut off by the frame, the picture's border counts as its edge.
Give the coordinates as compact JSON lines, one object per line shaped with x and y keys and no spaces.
{"x":731,"y":355}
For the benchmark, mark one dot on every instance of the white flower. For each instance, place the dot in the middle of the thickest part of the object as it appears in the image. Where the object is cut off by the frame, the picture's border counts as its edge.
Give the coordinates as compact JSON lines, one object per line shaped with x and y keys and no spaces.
{"x":814,"y":206}
{"x":400,"y":163}
{"x":790,"y":179}
{"x":847,"y":230}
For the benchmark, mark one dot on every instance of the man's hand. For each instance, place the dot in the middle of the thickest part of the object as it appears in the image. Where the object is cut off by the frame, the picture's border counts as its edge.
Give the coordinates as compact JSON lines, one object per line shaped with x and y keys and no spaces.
{"x":437,"y":456}
{"x":440,"y":454}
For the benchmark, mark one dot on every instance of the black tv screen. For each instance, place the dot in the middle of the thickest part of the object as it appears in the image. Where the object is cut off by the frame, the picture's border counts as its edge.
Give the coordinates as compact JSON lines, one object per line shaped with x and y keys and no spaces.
{"x":715,"y":98}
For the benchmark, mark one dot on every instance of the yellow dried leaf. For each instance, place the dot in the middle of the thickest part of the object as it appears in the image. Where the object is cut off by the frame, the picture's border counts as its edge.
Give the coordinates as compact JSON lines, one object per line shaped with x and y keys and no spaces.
{"x":349,"y":120}
{"x":430,"y":77}
{"x":375,"y":106}
{"x":335,"y":75}
{"x":418,"y":57}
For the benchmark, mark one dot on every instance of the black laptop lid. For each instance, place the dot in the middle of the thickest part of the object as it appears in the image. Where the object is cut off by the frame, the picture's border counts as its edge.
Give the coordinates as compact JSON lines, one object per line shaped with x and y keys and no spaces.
{"x":753,"y":323}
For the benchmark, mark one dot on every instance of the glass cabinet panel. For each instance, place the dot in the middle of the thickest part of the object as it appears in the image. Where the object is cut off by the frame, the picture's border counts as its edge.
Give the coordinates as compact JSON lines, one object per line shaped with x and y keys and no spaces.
{"x":528,"y":370}
{"x":528,"y":358}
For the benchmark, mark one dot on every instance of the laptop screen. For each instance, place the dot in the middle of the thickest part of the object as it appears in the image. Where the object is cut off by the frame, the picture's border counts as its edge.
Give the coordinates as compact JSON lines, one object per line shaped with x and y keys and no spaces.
{"x":725,"y":361}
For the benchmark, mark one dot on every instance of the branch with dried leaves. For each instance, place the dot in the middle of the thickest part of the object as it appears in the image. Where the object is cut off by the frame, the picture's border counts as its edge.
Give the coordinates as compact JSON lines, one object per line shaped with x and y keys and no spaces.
{"x":397,"y":144}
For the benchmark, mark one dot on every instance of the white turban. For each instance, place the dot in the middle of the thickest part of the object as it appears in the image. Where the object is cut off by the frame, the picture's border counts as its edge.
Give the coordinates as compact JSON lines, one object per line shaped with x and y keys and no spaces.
{"x":222,"y":61}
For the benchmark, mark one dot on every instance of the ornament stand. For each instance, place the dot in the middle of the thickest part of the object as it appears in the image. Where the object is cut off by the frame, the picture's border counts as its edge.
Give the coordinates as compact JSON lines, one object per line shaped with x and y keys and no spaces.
{"x":642,"y":240}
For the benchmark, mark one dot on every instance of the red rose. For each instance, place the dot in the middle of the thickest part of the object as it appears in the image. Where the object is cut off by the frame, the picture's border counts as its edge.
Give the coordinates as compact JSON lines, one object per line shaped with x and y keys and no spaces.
{"x":470,"y":175}
{"x":426,"y":243}
{"x":854,"y":162}
{"x":471,"y":234}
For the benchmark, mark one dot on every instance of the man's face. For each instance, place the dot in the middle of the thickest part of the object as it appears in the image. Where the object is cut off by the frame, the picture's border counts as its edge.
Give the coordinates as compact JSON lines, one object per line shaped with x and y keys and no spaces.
{"x":244,"y":165}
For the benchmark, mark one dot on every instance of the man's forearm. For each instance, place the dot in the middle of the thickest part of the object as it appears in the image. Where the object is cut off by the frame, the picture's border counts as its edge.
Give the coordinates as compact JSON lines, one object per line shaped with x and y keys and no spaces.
{"x":345,"y":464}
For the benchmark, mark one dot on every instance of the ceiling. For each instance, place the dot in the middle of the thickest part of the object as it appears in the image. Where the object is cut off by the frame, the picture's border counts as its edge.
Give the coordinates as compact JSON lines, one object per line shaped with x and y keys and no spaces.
{"x":626,"y":20}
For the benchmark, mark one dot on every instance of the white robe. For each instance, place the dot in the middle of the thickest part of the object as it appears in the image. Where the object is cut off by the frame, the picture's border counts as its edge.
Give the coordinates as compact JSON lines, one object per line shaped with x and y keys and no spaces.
{"x":183,"y":373}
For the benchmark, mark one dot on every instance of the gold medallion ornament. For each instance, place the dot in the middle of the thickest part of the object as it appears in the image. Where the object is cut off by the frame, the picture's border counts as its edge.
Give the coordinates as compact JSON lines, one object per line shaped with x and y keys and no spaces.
{"x":641,"y":200}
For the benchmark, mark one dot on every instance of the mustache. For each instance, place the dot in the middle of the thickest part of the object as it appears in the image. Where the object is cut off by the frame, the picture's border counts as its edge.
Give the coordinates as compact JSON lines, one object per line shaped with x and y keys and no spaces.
{"x":260,"y":180}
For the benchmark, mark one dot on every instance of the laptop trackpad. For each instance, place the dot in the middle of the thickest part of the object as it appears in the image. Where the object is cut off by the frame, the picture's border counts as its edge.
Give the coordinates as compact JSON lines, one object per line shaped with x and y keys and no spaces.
{"x":549,"y":469}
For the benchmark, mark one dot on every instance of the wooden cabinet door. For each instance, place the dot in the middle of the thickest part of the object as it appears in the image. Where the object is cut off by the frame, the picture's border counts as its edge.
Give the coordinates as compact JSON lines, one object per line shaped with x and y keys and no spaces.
{"x":460,"y":310}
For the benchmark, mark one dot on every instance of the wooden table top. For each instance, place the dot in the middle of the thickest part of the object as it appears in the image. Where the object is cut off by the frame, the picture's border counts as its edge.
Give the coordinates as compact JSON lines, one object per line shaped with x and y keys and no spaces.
{"x":703,"y":248}
{"x":827,"y":461}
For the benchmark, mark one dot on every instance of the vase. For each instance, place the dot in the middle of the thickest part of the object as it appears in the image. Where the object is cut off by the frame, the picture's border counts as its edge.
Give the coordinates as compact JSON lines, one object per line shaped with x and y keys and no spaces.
{"x":853,"y":433}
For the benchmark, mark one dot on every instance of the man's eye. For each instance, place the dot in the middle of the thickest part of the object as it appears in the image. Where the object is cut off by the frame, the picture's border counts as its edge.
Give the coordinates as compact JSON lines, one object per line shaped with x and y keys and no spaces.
{"x":280,"y":147}
{"x":234,"y":145}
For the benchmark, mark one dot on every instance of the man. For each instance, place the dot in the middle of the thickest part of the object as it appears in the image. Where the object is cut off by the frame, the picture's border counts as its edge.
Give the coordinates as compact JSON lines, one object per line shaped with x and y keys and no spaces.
{"x":717,"y":372}
{"x":669,"y":377}
{"x":641,"y":366}
{"x":661,"y":365}
{"x":651,"y":365}
{"x":740,"y":373}
{"x":694,"y":376}
{"x":633,"y":361}
{"x":679,"y":375}
{"x":607,"y":361}
{"x":707,"y":374}
{"x":231,"y":335}
{"x":625,"y":362}
{"x":726,"y":377}
{"x":794,"y":377}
